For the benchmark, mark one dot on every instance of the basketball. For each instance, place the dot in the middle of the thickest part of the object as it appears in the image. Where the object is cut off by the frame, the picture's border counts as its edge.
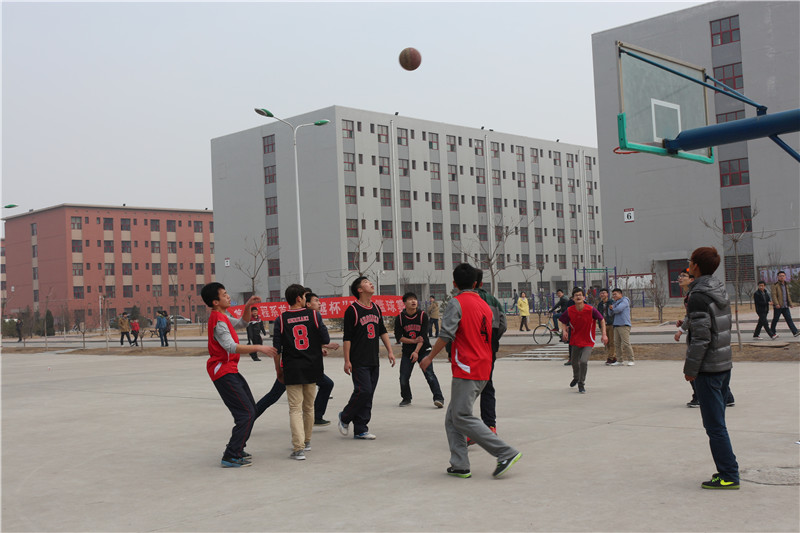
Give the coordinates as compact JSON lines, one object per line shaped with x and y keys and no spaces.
{"x":410,"y":59}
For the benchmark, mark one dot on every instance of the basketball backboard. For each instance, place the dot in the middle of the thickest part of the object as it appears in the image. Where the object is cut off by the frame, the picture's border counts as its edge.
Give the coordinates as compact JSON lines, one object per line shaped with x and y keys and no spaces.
{"x":656,"y":104}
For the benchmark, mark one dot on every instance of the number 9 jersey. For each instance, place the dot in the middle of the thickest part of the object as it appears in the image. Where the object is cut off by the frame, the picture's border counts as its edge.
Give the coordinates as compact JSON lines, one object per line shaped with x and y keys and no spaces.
{"x":363,"y":327}
{"x":299,"y":337}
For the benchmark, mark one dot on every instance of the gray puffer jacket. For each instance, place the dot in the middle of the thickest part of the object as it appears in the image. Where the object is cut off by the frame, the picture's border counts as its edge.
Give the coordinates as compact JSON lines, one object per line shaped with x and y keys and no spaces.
{"x":709,"y":340}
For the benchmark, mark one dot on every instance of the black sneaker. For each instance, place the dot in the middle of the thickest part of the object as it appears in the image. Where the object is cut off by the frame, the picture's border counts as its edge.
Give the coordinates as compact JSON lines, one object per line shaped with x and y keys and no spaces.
{"x":405,"y":403}
{"x":567,"y":363}
{"x":246,"y":456}
{"x":255,"y":357}
{"x":234,"y":462}
{"x":573,"y":382}
{"x":322,"y":422}
{"x":693,"y":403}
{"x":717,"y":482}
{"x":730,"y":404}
{"x":457,"y":472}
{"x":503,"y":466}
{"x":581,"y":389}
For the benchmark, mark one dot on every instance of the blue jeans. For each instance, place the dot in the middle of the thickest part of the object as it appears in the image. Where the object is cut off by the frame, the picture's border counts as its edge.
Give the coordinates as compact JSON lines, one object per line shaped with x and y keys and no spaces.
{"x":712,"y":389}
{"x":777,"y":312}
{"x":162,"y":334}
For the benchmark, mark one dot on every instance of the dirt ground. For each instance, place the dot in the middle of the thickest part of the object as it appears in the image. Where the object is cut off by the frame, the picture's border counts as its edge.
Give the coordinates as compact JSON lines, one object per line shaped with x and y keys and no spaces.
{"x":676,"y":351}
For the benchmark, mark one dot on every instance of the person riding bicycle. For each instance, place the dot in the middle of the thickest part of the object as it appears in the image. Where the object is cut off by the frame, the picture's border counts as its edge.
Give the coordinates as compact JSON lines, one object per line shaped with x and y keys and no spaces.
{"x":559,"y":308}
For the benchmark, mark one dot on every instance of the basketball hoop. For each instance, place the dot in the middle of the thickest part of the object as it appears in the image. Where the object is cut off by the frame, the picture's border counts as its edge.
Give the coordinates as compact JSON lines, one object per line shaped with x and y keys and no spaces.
{"x":624,"y":152}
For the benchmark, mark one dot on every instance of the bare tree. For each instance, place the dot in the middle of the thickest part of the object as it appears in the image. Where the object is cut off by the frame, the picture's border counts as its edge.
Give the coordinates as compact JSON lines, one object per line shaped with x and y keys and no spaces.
{"x":657,"y":291}
{"x":256,"y":250}
{"x":731,"y":237}
{"x":363,"y":247}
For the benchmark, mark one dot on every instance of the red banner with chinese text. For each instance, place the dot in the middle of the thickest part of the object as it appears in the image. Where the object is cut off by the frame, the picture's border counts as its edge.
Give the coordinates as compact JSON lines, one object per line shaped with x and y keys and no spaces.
{"x":329,"y":307}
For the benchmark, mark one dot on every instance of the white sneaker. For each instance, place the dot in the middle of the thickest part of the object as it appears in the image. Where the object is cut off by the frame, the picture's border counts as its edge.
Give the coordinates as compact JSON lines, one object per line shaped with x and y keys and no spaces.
{"x":365,"y":436}
{"x":299,"y":455}
{"x":756,"y":338}
{"x":307,"y":447}
{"x":631,"y":363}
{"x":616,"y":363}
{"x":343,"y":428}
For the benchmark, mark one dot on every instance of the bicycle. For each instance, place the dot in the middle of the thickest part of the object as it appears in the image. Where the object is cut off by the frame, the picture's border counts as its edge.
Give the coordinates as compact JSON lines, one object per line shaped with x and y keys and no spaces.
{"x":543,"y":333}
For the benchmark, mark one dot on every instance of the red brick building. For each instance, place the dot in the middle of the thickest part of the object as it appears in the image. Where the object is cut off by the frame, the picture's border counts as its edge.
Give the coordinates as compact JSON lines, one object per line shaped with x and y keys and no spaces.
{"x":68,"y":258}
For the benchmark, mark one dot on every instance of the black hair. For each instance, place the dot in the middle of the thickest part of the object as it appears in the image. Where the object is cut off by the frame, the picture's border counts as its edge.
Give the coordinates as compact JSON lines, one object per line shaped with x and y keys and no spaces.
{"x":356,"y":284}
{"x":293,"y":292}
{"x":617,"y":289}
{"x":408,"y":295}
{"x":761,"y":282}
{"x":577,"y":290}
{"x":310,"y":295}
{"x":478,"y":277}
{"x":560,"y":290}
{"x":603,"y":289}
{"x":210,"y":292}
{"x":464,"y":276}
{"x":781,"y":272}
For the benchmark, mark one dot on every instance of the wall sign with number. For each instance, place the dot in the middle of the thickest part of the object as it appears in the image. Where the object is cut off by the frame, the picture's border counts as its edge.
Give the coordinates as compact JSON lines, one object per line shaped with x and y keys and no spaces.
{"x":628,"y":214}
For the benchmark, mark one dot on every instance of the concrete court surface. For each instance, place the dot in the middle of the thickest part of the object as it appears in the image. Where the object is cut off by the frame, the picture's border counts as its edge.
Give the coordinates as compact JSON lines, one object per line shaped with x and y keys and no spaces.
{"x":125,"y":443}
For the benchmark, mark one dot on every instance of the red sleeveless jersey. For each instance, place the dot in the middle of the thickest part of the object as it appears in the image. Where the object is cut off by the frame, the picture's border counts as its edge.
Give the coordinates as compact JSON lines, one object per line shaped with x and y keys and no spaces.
{"x":471,"y":354}
{"x":220,"y":362}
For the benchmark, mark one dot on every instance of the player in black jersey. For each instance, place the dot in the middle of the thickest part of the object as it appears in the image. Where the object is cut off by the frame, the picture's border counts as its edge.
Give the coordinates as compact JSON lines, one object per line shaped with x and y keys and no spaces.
{"x":300,"y":337}
{"x":363,"y":331}
{"x":411,"y":330}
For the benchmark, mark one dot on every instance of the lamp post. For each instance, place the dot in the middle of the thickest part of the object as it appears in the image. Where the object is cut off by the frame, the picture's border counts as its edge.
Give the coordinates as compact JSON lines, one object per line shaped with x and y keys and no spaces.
{"x":540,"y":268}
{"x":267,"y":113}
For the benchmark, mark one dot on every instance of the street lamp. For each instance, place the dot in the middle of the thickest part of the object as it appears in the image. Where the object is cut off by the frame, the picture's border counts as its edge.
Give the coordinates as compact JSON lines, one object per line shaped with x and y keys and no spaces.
{"x":540,"y":268}
{"x":267,"y":113}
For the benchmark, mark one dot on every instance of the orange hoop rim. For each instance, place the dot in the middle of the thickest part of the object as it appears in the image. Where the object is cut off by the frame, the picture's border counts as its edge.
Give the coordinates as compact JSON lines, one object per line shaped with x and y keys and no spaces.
{"x":624,"y":152}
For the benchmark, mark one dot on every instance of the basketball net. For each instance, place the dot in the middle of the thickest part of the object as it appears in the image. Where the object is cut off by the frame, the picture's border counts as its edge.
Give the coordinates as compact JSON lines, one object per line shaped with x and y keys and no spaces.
{"x":624,"y":152}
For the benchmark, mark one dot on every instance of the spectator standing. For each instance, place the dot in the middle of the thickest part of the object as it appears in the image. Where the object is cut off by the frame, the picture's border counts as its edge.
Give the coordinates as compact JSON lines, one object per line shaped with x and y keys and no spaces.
{"x":135,"y":331}
{"x":762,"y":299}
{"x":709,"y":361}
{"x":161,"y":327}
{"x":621,"y":309}
{"x":782,"y":304}
{"x":514,"y":300}
{"x":124,"y":329}
{"x":524,"y":311}
{"x":255,"y":328}
{"x":433,"y":316}
{"x":604,"y":306}
{"x":19,"y":329}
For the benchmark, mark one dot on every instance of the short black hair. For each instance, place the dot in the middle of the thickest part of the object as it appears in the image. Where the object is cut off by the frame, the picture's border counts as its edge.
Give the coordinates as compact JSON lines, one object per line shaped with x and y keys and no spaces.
{"x":210,"y":292}
{"x":464,"y":276}
{"x":780,"y":272}
{"x":408,"y":295}
{"x":478,"y":277}
{"x":617,"y":289}
{"x":560,"y":290}
{"x":310,"y":295}
{"x":293,"y":292}
{"x":762,"y":282}
{"x":356,"y":284}
{"x":254,"y":308}
{"x":577,"y":290}
{"x":603,"y":289}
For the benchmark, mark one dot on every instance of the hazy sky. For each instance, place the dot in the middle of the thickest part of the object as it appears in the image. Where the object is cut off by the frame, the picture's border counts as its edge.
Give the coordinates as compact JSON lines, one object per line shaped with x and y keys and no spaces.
{"x":111,"y":103}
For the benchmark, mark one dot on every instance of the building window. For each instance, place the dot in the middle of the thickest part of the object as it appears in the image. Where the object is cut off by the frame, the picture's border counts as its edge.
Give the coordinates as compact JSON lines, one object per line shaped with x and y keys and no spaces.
{"x":573,"y":236}
{"x":746,"y":268}
{"x":534,"y":155}
{"x":520,"y":153}
{"x":77,"y":269}
{"x":481,"y":204}
{"x":155,"y":225}
{"x":537,"y":234}
{"x":559,"y":210}
{"x":127,"y":269}
{"x":172,"y":269}
{"x":172,"y":247}
{"x":75,"y":222}
{"x":405,"y":229}
{"x":347,"y":129}
{"x":570,"y":184}
{"x":402,"y":136}
{"x":526,"y":261}
{"x":730,"y":75}
{"x":453,"y":202}
{"x":383,"y":134}
{"x":350,"y":194}
{"x":480,"y":175}
{"x":729,"y":117}
{"x":557,"y":159}
{"x":737,"y":220}
{"x":572,"y":213}
{"x":269,"y":144}
{"x":352,"y":261}
{"x":125,"y":247}
{"x":199,"y":268}
{"x":455,"y":232}
{"x":479,"y":147}
{"x":495,"y":177}
{"x":172,"y":225}
{"x":523,"y":234}
{"x":433,"y":141}
{"x":558,"y":184}
{"x":198,"y":247}
{"x":523,"y":207}
{"x":352,"y":227}
{"x":273,"y":267}
{"x":562,"y":261}
{"x":272,"y":205}
{"x":272,"y":236}
{"x":384,"y":166}
{"x":497,"y":206}
{"x":560,"y":234}
{"x":405,"y":198}
{"x":269,"y":174}
{"x":436,"y":201}
{"x":108,"y":246}
{"x":386,"y":229}
{"x":435,"y":171}
{"x":451,"y":143}
{"x":408,"y":261}
{"x":521,"y":180}
{"x":349,"y":162}
{"x":734,"y":172}
{"x":386,"y":197}
{"x":724,"y":31}
{"x":589,"y":189}
{"x":111,"y":291}
{"x":155,"y":269}
{"x":403,"y":164}
{"x":108,"y":224}
{"x":388,"y":260}
{"x":77,"y":246}
{"x":438,"y":261}
{"x":483,"y":233}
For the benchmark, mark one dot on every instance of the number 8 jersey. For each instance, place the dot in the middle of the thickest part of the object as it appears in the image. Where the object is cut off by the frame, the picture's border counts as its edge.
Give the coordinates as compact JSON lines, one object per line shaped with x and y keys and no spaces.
{"x":299,"y":337}
{"x":363,"y":327}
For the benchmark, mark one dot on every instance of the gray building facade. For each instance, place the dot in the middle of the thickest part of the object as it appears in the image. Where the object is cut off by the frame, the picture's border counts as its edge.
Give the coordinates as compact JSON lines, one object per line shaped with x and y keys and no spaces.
{"x":403,"y":200}
{"x":754,"y":185}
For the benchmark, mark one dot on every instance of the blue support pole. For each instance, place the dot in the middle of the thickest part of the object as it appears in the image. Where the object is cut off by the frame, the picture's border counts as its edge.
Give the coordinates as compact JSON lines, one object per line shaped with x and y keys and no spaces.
{"x":736,"y":131}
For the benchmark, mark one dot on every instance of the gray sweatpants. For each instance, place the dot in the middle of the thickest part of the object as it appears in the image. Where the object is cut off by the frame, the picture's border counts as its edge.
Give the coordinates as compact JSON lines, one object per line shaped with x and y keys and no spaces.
{"x":460,"y":423}
{"x":580,"y":362}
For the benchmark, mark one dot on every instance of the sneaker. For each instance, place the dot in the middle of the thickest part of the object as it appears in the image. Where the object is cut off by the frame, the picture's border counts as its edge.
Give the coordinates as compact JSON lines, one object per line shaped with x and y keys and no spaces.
{"x":796,"y":334}
{"x":299,"y":455}
{"x":616,"y":363}
{"x":493,"y":429}
{"x":631,"y":363}
{"x":438,"y":403}
{"x":365,"y":436}
{"x":457,"y":472}
{"x":573,"y":382}
{"x":756,"y":338}
{"x":255,"y":357}
{"x":404,"y":403}
{"x":567,"y":363}
{"x":322,"y":422}
{"x":307,"y":446}
{"x":234,"y":462}
{"x":246,"y":456}
{"x":581,"y":389}
{"x":343,"y":428}
{"x":693,"y":403}
{"x":731,"y":404}
{"x":719,"y":483}
{"x":503,"y":466}
{"x":773,"y":337}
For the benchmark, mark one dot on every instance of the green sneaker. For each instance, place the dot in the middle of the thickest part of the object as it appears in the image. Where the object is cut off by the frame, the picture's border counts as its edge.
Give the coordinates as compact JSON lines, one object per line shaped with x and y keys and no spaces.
{"x":719,"y":483}
{"x":504,"y":465}
{"x":458,"y":473}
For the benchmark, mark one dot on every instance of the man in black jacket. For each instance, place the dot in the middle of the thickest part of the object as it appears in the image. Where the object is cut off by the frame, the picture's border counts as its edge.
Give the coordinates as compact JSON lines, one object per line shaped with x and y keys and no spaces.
{"x":762,"y":300}
{"x":709,"y":361}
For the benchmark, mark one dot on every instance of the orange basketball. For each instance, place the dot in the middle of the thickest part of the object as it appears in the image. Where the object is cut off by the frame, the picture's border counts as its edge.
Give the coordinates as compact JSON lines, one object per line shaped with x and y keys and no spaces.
{"x":410,"y":58}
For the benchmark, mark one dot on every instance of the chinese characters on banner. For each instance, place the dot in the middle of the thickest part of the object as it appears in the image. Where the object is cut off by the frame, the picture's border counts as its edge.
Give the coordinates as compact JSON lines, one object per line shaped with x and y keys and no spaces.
{"x":329,"y":307}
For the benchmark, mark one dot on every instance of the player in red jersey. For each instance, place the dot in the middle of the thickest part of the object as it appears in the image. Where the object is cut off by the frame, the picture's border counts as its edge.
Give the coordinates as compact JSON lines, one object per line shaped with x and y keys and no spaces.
{"x":580,"y":319}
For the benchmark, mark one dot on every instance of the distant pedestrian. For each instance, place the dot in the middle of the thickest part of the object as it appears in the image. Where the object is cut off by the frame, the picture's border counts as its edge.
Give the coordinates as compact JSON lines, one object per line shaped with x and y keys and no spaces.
{"x":467,"y":324}
{"x":19,"y":329}
{"x":433,"y":316}
{"x":559,"y":307}
{"x":621,"y":309}
{"x":761,"y":299}
{"x":135,"y":331}
{"x":524,"y":311}
{"x":514,"y":300}
{"x":604,"y":307}
{"x":709,"y":361}
{"x":782,"y":304}
{"x":161,"y":327}
{"x":124,"y":329}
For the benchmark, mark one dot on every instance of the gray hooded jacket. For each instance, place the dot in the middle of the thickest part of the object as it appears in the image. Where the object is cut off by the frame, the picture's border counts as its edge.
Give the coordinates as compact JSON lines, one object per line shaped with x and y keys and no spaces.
{"x":709,"y":340}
